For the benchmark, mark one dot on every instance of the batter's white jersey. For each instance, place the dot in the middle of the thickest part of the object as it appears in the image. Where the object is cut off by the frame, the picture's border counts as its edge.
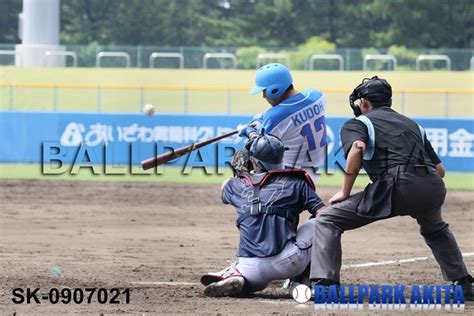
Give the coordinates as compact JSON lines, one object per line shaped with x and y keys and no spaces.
{"x":299,"y":122}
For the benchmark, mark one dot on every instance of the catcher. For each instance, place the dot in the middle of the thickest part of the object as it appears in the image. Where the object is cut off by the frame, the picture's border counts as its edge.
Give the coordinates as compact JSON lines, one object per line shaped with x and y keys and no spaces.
{"x":268,"y":202}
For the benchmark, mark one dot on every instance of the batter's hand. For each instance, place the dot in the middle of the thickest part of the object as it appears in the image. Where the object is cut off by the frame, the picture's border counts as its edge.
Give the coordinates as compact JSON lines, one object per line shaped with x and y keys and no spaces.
{"x":338,"y":197}
{"x":245,"y":130}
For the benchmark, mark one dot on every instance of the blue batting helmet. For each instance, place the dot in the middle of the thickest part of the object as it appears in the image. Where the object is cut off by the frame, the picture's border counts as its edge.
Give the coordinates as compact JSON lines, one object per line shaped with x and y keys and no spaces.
{"x":274,"y":79}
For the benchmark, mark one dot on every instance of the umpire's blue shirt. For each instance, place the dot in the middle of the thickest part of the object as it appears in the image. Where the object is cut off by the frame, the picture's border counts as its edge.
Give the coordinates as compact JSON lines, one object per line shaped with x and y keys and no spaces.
{"x":266,"y":235}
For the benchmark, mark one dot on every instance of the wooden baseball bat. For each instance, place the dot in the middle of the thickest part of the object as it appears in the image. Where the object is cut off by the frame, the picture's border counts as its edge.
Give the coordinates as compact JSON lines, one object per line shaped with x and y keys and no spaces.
{"x":170,"y":155}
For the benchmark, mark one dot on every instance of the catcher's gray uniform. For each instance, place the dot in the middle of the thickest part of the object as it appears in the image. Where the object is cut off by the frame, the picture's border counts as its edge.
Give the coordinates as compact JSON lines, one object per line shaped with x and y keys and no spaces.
{"x":290,"y":262}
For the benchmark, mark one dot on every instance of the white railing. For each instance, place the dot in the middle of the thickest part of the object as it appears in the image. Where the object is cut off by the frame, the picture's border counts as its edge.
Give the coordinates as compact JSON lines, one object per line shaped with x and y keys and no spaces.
{"x":382,"y":57}
{"x":260,"y":57}
{"x":179,"y":56}
{"x":101,"y":55}
{"x":22,"y":91}
{"x":12,"y":53}
{"x":50,"y":53}
{"x":338,"y":57}
{"x":444,"y":58}
{"x":230,"y":56}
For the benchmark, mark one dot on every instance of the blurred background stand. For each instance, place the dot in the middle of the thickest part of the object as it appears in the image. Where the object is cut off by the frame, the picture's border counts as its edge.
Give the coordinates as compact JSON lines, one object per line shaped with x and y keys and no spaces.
{"x":39,"y":33}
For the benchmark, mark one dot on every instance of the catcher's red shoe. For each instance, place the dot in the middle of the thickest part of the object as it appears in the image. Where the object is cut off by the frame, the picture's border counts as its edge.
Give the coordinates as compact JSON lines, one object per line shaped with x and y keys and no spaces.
{"x":227,"y":282}
{"x":212,"y":277}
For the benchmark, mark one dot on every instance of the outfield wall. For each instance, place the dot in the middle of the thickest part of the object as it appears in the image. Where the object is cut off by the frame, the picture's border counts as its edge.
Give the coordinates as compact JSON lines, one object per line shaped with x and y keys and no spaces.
{"x":126,"y":139}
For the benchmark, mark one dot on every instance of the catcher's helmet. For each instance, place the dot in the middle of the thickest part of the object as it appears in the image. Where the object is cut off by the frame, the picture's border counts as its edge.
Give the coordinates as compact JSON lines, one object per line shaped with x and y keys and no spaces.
{"x":274,"y":79}
{"x":268,"y":150}
{"x":378,"y":91}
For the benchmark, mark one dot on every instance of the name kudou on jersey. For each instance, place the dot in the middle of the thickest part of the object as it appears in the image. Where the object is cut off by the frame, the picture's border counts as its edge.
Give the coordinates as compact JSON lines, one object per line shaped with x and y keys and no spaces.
{"x":308,"y":113}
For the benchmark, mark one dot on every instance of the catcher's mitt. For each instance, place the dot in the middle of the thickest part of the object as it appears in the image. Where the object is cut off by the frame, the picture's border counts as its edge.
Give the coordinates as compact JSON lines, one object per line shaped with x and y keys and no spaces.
{"x":241,"y":161}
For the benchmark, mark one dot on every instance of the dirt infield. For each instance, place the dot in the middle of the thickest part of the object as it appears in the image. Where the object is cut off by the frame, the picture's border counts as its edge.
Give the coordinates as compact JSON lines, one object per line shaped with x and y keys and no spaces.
{"x":158,"y":239}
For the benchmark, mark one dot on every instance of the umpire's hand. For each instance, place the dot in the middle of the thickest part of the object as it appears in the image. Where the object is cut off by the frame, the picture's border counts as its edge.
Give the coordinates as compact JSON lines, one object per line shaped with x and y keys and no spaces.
{"x":338,"y":197}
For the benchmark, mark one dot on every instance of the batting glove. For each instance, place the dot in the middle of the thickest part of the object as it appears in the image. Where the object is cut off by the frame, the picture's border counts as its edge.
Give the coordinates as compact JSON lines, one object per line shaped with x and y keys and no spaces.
{"x":245,"y":130}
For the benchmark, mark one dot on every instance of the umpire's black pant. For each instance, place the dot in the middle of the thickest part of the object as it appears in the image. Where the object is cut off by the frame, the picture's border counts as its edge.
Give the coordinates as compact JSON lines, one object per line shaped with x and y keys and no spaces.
{"x":418,"y":195}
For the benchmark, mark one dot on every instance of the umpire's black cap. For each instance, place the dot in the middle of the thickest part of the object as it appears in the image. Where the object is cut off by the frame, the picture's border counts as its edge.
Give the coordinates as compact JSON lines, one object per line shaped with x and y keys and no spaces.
{"x":377,"y":90}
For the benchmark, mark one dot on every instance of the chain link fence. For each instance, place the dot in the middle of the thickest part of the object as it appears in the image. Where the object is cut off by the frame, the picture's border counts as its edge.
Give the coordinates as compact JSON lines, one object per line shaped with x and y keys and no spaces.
{"x":353,"y":58}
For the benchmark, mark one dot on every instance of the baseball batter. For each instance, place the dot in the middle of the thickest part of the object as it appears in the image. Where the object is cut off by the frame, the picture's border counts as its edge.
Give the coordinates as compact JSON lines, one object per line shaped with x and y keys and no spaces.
{"x":406,"y":179}
{"x":268,"y":202}
{"x":297,"y":118}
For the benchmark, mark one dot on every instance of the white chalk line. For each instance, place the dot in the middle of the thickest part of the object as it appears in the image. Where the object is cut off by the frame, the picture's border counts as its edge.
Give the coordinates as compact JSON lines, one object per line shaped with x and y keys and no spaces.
{"x":396,"y":261}
{"x":172,"y":283}
{"x":277,"y":302}
{"x":349,"y":266}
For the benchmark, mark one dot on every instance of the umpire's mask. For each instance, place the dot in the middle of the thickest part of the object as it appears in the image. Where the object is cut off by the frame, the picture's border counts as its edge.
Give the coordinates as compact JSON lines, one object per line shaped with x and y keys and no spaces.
{"x":378,"y":91}
{"x":268,"y":150}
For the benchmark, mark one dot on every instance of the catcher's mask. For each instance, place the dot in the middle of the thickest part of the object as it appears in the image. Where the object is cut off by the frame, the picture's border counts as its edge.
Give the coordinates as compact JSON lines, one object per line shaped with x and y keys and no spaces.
{"x":378,"y":91}
{"x":268,"y":150}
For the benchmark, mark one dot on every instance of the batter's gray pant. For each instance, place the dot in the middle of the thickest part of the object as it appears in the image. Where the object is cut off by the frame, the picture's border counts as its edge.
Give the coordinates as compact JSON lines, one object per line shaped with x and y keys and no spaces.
{"x":289,"y":263}
{"x":420,"y":196}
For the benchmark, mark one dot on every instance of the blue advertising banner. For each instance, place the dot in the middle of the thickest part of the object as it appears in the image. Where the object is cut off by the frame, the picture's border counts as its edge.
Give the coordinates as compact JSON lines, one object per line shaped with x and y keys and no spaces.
{"x":123,"y":139}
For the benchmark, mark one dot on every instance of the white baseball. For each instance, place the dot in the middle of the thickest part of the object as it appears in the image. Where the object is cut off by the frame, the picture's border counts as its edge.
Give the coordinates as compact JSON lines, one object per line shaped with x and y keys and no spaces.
{"x":148,"y":109}
{"x":301,"y":293}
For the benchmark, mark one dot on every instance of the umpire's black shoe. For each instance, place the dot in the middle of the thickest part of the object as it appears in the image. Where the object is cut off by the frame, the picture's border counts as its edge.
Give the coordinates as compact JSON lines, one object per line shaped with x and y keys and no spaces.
{"x":467,"y":289}
{"x":326,"y":283}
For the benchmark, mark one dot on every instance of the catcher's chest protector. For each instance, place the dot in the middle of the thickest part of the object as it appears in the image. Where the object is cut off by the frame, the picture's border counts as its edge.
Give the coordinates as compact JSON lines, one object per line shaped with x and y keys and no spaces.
{"x":258,"y":181}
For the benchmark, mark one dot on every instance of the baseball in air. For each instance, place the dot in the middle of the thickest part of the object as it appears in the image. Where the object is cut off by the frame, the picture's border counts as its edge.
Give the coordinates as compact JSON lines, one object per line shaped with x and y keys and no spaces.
{"x":301,"y":293}
{"x":148,"y":109}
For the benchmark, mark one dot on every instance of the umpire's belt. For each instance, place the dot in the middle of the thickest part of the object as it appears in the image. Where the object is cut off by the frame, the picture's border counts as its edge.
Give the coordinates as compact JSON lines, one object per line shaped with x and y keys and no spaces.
{"x":272,"y":210}
{"x":420,"y":170}
{"x":417,"y":169}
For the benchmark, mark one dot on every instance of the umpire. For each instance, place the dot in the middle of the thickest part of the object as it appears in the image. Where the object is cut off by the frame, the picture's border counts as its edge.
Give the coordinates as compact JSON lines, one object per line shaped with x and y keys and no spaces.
{"x":406,"y":177}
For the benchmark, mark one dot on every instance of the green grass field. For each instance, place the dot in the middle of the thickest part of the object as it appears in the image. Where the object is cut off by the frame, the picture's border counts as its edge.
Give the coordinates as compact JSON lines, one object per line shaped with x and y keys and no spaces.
{"x":173,"y":101}
{"x":454,"y":181}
